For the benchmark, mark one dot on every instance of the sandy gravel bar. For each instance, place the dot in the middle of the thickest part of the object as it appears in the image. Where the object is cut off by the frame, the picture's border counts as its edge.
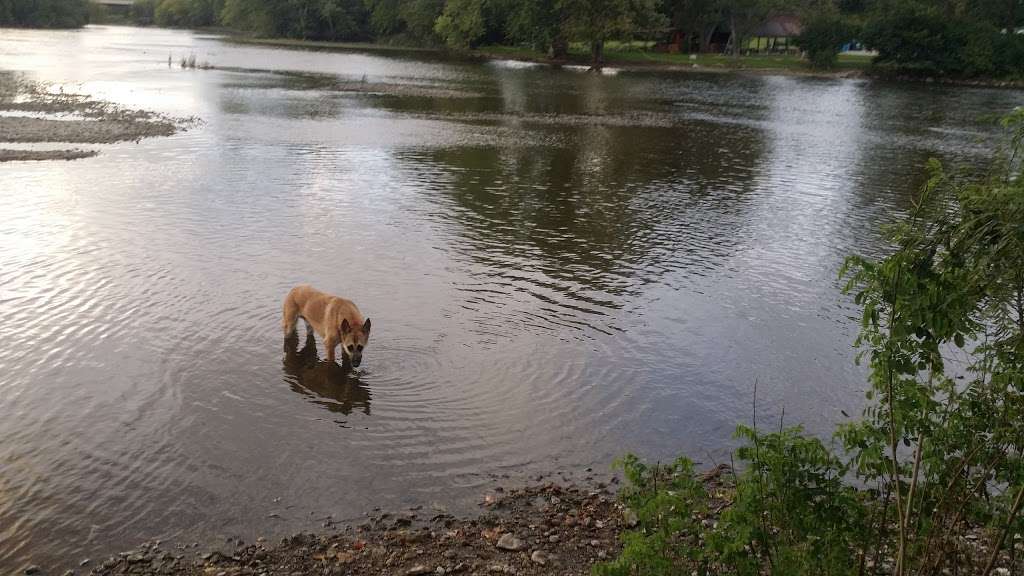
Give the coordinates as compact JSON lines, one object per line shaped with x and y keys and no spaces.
{"x":22,"y":155}
{"x":100,"y":131}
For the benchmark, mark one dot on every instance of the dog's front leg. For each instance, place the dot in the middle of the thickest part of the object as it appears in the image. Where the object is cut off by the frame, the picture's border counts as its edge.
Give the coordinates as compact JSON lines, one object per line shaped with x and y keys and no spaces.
{"x":330,"y":343}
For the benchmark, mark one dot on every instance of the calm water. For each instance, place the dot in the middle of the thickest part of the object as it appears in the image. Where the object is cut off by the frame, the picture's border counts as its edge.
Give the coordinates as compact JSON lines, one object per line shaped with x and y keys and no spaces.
{"x":559,"y":266}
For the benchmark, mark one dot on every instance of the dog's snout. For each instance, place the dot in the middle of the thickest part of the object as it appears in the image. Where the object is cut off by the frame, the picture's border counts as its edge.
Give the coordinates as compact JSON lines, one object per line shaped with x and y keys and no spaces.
{"x":356,"y":360}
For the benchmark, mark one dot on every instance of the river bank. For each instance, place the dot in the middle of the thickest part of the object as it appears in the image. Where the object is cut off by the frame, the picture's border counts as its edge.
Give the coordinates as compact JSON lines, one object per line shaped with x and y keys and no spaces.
{"x":542,"y":528}
{"x":614,"y":60}
{"x":848,"y":65}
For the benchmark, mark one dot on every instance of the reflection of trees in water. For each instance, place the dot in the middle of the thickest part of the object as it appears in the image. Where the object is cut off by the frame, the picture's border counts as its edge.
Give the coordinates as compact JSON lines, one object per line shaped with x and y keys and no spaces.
{"x":614,"y":208}
{"x":329,"y":385}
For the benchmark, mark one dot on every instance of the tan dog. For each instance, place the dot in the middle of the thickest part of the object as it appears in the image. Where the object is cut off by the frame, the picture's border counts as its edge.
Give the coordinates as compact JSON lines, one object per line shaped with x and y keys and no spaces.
{"x":335,"y":319}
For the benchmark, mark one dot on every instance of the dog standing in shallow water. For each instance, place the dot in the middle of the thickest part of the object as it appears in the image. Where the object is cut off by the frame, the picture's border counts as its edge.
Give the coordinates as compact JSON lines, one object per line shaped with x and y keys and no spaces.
{"x":335,"y":319}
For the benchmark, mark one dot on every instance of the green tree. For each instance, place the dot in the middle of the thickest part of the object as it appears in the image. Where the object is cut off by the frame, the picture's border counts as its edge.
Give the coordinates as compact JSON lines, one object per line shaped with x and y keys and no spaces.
{"x":540,"y":24}
{"x":172,"y":13}
{"x":419,"y":17}
{"x":461,"y":24}
{"x":44,"y":13}
{"x":822,"y":37}
{"x":597,"y":21}
{"x":929,"y":39}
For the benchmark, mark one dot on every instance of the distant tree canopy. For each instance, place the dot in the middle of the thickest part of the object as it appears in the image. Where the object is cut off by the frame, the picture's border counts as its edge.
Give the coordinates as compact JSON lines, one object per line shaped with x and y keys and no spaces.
{"x":44,"y":13}
{"x":946,"y":37}
{"x":954,"y":38}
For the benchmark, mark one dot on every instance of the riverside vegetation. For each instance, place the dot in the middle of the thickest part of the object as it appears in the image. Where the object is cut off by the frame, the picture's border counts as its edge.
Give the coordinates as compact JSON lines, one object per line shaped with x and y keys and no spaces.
{"x":925,"y":38}
{"x":930,"y":480}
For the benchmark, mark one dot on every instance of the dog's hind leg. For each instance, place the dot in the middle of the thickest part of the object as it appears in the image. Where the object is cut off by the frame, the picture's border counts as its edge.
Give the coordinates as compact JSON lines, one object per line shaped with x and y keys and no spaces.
{"x":289,"y":315}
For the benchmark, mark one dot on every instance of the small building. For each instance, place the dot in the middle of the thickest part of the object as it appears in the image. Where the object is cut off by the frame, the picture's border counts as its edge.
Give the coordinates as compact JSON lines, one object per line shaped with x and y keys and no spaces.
{"x":775,"y":34}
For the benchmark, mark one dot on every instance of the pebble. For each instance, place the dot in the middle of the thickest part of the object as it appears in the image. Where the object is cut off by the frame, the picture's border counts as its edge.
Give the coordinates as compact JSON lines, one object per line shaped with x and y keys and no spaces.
{"x":418,"y":569}
{"x":83,"y":562}
{"x":33,"y":569}
{"x":540,"y":557}
{"x":509,"y":542}
{"x":553,"y":538}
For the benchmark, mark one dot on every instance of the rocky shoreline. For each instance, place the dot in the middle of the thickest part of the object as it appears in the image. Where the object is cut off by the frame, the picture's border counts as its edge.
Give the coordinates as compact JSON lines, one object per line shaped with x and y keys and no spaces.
{"x":540,"y":528}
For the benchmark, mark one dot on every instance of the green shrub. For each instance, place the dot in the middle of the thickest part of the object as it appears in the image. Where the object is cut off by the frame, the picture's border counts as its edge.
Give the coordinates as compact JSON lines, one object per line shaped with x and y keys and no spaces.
{"x":461,"y":24}
{"x":173,"y":13}
{"x":920,"y":39}
{"x":822,"y":37}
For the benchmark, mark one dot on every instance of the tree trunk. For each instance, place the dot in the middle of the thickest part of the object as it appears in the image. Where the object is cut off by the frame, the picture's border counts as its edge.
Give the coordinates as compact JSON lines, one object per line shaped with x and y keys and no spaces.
{"x":597,"y":54}
{"x":559,"y":47}
{"x":735,"y":37}
{"x":705,"y":39}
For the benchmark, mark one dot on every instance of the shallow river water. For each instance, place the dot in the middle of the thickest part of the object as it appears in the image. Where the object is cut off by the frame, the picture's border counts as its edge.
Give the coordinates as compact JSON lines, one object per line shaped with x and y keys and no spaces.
{"x":560,"y":267}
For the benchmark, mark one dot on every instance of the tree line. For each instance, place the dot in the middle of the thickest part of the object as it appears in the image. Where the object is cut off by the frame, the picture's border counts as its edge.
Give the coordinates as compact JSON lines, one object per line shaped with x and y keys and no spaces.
{"x":915,"y":37}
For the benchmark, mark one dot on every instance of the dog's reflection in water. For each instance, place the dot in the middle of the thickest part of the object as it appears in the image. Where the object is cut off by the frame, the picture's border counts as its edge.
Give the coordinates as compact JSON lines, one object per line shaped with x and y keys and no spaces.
{"x":334,"y":387}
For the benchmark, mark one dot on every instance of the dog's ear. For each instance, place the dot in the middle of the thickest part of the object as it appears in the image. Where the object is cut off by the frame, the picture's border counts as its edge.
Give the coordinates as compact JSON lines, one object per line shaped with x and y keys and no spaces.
{"x":366,"y":326}
{"x":345,"y":326}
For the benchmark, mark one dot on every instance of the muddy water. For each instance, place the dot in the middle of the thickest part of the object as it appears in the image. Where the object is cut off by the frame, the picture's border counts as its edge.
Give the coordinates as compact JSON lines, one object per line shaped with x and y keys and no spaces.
{"x":559,"y":267}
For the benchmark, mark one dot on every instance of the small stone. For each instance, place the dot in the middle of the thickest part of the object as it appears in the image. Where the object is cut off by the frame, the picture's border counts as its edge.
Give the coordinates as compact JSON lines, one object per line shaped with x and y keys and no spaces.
{"x":509,"y":542}
{"x":440,"y":571}
{"x":69,"y":573}
{"x":83,"y":562}
{"x":595,"y":543}
{"x":137,"y":559}
{"x":553,"y":538}
{"x":602,"y":554}
{"x":418,"y":569}
{"x":33,"y":569}
{"x":540,"y":557}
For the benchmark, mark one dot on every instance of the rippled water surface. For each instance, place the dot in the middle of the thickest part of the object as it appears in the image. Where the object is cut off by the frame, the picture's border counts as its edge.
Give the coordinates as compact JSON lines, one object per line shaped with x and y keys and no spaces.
{"x":559,"y":266}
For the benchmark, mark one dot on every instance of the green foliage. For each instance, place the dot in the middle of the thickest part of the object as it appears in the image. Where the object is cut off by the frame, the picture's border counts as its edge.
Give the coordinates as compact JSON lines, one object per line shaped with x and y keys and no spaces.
{"x":666,"y":499}
{"x":539,"y":24}
{"x":312,"y":19}
{"x":597,"y":21}
{"x":44,"y":13}
{"x":461,"y":24}
{"x":792,"y":509}
{"x":920,"y":38}
{"x":822,"y":36}
{"x":932,"y":456}
{"x":173,"y":13}
{"x":791,"y":514}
